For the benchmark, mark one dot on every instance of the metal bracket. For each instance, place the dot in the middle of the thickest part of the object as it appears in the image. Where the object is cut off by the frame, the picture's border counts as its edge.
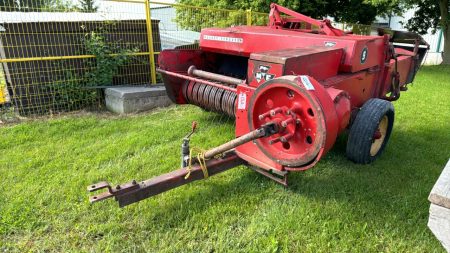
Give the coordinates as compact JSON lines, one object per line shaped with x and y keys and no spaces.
{"x":118,"y":190}
{"x":284,"y":174}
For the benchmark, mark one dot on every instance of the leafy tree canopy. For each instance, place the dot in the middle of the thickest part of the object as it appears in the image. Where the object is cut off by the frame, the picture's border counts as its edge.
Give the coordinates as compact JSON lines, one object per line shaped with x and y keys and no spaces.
{"x":36,"y":5}
{"x":351,"y":11}
{"x":88,"y":5}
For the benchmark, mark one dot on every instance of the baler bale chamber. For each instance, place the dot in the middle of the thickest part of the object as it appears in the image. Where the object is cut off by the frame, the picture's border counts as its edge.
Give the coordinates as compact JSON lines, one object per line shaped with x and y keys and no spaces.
{"x":291,"y":90}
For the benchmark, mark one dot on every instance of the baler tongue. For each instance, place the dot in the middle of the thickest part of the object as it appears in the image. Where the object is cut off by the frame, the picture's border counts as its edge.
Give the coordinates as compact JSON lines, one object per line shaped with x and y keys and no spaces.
{"x":132,"y":192}
{"x":119,"y":189}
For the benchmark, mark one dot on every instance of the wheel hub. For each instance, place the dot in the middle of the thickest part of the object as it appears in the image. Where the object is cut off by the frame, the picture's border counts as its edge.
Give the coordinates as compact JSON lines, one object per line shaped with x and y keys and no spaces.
{"x":301,"y":134}
{"x":379,"y":136}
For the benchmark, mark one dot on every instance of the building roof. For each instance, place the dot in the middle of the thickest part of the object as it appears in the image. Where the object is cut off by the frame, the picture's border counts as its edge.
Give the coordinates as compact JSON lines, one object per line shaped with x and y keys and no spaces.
{"x":23,"y":17}
{"x":173,"y":39}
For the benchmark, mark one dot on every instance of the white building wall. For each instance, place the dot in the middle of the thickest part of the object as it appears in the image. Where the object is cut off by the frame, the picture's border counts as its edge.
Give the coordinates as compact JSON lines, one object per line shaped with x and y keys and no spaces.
{"x":429,"y":38}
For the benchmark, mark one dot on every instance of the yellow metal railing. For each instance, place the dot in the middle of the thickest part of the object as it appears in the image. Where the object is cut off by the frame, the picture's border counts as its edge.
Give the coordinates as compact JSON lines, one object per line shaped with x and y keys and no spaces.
{"x":46,"y":51}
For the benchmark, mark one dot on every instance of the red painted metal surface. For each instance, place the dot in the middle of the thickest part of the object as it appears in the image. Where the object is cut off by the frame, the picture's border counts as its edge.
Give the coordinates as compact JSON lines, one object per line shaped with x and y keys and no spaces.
{"x":278,"y":22}
{"x":317,"y":62}
{"x":316,"y":115}
{"x":192,"y":71}
{"x":179,"y":61}
{"x":258,"y":39}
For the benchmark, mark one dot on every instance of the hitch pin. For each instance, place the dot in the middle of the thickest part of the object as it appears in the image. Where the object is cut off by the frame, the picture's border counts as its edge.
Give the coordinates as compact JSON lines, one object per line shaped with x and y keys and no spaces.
{"x":185,"y":149}
{"x":194,"y":124}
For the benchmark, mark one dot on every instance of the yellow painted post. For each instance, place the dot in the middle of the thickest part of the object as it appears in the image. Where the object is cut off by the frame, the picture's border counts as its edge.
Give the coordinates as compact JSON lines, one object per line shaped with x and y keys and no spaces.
{"x":150,"y":41}
{"x":343,"y":26}
{"x":249,"y":17}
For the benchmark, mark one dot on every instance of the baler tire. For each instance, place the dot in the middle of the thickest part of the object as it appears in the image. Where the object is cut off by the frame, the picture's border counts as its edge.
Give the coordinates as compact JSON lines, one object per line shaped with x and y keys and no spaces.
{"x":369,"y":119}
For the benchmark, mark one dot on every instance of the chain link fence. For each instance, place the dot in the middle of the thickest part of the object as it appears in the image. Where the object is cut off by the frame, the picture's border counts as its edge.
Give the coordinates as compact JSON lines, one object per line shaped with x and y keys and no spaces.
{"x":49,"y":49}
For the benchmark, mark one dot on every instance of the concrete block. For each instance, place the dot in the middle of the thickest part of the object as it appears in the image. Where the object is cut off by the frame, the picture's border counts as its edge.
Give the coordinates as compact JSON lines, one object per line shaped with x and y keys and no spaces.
{"x":133,"y":99}
{"x":439,"y":221}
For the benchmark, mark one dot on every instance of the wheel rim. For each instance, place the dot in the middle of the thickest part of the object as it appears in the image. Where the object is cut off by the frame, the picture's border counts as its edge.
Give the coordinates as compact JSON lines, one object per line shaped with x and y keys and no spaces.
{"x":377,"y":143}
{"x":307,"y":137}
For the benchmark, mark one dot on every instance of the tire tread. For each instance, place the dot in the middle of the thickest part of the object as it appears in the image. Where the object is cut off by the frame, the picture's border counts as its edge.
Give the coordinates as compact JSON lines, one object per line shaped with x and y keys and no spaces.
{"x":364,"y":127}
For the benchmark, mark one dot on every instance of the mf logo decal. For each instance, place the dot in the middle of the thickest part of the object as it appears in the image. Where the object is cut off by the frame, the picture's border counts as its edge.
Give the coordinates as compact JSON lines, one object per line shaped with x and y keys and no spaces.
{"x":262,"y":74}
{"x":364,"y":54}
{"x":330,"y":44}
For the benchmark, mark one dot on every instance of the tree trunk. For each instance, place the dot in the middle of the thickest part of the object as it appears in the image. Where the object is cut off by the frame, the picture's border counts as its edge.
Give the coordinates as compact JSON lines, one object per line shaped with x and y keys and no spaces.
{"x":443,"y":5}
{"x":446,"y":57}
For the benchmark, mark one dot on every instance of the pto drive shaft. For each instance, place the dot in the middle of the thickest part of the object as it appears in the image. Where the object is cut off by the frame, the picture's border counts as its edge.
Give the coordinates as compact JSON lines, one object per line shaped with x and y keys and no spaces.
{"x":258,"y":133}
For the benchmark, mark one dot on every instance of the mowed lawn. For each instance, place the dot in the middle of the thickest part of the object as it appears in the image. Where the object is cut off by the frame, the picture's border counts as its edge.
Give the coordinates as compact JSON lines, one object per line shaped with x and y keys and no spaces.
{"x":336,"y":206}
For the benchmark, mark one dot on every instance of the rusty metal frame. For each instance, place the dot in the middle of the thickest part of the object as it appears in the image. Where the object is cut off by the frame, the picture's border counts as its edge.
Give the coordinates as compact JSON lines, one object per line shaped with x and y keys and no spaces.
{"x":130,"y":193}
{"x":283,"y":173}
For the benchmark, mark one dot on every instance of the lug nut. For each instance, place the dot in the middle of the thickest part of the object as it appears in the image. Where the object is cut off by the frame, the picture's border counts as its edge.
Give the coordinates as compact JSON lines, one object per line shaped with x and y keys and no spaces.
{"x":288,"y":112}
{"x":275,"y":111}
{"x":286,"y":137}
{"x":271,"y":142}
{"x":298,"y":122}
{"x":264,"y":115}
{"x":287,"y":122}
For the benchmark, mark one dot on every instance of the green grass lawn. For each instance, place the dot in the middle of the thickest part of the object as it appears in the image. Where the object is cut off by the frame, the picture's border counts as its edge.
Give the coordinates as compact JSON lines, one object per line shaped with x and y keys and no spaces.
{"x":336,"y":206}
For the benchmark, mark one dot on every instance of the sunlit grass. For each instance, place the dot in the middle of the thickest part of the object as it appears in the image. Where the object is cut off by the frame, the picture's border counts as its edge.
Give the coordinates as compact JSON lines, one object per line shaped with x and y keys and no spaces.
{"x":335,"y":206}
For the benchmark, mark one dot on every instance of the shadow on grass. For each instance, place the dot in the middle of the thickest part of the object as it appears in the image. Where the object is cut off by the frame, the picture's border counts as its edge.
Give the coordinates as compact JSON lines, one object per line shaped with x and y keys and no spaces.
{"x":398,"y":183}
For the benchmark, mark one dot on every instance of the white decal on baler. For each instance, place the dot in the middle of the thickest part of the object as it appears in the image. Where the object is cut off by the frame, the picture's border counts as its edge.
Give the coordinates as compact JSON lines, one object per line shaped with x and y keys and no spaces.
{"x":242,"y":101}
{"x":226,"y":39}
{"x":305,"y":80}
{"x":329,"y":44}
{"x":364,"y":54}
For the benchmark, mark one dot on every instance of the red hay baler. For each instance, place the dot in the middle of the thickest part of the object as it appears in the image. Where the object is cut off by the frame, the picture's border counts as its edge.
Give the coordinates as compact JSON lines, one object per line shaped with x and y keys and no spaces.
{"x":291,"y":90}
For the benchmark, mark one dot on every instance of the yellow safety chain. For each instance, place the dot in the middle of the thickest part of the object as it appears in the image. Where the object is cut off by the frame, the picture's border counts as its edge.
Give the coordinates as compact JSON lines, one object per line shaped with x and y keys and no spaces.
{"x":201,"y":159}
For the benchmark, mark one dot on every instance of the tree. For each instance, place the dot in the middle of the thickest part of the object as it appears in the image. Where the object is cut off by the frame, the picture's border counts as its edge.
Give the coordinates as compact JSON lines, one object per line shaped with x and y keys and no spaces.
{"x":88,"y":5}
{"x":358,"y":12}
{"x":61,"y":6}
{"x":352,"y":11}
{"x":430,"y":14}
{"x":8,"y":5}
{"x":36,"y":5}
{"x":23,"y":5}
